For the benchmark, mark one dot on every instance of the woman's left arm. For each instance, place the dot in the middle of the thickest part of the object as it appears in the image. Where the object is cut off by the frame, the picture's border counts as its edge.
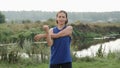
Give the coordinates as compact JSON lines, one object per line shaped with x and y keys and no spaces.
{"x":65,"y":32}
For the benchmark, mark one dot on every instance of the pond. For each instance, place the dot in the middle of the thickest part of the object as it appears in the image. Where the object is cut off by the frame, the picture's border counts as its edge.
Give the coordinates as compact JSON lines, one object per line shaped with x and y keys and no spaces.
{"x":106,"y":47}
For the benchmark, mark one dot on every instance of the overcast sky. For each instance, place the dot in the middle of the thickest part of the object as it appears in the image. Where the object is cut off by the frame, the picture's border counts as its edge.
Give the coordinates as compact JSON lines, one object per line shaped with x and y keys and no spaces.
{"x":56,"y":5}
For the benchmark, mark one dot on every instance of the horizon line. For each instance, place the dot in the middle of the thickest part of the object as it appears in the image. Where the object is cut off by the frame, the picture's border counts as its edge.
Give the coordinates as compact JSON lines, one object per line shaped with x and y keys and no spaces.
{"x":53,"y":11}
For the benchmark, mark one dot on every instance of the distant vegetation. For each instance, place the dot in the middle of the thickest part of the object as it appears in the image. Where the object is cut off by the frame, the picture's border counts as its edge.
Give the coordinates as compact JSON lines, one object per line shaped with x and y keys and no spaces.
{"x":19,"y":16}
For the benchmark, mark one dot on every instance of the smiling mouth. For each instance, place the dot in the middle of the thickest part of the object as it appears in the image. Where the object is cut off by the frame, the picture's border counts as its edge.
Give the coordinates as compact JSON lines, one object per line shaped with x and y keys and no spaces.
{"x":61,"y":21}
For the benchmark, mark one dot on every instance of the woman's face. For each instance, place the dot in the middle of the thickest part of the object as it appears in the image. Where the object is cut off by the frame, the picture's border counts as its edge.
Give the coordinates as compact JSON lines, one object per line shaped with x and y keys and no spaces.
{"x":61,"y":18}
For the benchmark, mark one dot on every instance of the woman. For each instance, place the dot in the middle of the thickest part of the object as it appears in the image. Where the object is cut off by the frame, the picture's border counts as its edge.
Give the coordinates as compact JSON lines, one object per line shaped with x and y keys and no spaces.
{"x":59,"y":38}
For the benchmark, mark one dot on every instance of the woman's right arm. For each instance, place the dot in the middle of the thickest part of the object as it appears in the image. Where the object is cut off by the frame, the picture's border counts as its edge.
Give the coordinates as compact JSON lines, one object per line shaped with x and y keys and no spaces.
{"x":48,"y":35}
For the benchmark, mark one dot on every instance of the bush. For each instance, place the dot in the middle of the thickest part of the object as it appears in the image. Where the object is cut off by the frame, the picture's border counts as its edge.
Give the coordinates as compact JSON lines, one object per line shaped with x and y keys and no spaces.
{"x":2,"y":18}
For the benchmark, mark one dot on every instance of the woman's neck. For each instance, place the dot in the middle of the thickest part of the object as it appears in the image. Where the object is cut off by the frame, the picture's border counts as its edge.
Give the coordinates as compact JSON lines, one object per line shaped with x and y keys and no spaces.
{"x":60,"y":26}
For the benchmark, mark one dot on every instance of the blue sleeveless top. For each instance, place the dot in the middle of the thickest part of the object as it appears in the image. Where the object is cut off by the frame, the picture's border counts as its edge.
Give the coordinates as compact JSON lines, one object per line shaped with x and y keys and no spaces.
{"x":60,"y":50}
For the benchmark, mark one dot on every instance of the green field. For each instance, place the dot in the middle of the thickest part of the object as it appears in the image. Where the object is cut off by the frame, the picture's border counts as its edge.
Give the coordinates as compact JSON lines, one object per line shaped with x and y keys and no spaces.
{"x":94,"y":64}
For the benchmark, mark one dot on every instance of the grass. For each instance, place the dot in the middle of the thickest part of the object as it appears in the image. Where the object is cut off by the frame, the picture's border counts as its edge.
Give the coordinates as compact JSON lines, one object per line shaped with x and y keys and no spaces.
{"x":7,"y":65}
{"x":98,"y":63}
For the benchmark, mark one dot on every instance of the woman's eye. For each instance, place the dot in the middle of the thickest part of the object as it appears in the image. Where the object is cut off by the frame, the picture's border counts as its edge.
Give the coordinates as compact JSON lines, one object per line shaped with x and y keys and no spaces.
{"x":59,"y":16}
{"x":63,"y":17}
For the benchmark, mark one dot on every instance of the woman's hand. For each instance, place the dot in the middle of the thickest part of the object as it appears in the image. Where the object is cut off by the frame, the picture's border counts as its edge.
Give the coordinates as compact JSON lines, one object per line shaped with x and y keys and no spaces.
{"x":46,"y":28}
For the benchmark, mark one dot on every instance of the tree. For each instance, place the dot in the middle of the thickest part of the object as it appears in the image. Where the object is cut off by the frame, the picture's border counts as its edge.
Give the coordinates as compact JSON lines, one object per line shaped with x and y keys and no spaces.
{"x":2,"y":18}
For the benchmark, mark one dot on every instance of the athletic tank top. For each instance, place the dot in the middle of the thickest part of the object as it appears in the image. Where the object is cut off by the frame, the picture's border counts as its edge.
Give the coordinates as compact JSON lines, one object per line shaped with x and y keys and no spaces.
{"x":60,"y":50}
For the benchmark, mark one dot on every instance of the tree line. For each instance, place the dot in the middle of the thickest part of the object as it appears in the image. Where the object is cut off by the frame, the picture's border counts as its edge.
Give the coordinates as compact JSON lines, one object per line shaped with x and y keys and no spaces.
{"x":73,"y":16}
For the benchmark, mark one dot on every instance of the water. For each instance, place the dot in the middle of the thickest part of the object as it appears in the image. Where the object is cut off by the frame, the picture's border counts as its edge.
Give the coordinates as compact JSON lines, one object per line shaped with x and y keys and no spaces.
{"x":106,"y":47}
